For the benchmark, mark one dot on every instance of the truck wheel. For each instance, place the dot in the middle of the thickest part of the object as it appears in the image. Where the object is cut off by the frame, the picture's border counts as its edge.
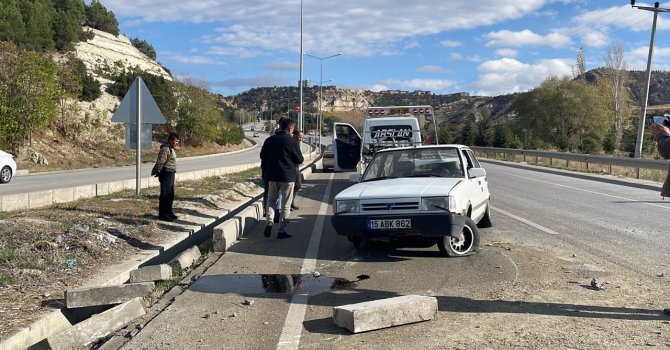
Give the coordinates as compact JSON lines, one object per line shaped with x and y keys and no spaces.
{"x":463,"y":245}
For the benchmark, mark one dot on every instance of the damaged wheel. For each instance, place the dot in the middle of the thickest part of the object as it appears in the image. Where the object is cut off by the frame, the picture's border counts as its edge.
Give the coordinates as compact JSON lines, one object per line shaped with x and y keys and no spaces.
{"x":461,"y":245}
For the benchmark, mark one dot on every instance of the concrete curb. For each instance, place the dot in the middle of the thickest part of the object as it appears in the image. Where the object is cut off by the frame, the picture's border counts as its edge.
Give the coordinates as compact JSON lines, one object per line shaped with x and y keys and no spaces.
{"x":56,"y":321}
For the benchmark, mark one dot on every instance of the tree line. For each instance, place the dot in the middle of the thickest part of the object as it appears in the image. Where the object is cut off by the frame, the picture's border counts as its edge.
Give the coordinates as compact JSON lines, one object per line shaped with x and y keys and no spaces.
{"x":568,"y":113}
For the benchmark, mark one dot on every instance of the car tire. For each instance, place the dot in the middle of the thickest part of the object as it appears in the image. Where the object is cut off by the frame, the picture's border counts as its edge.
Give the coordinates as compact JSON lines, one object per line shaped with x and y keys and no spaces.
{"x":465,"y":245}
{"x":359,"y":242}
{"x":5,"y":174}
{"x":486,"y":219}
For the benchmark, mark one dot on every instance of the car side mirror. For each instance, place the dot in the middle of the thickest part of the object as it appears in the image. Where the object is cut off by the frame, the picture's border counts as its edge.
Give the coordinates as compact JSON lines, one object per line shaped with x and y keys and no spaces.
{"x":476,"y":172}
{"x":355,"y":177}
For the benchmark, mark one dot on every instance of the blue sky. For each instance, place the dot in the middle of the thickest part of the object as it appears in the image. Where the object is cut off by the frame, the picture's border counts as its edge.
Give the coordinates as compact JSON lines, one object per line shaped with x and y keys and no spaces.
{"x":483,"y":47}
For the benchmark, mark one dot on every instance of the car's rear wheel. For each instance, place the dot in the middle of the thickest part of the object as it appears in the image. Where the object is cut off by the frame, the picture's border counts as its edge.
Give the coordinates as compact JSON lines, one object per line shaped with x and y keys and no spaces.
{"x":486,"y":219}
{"x":5,"y":174}
{"x":462,"y":245}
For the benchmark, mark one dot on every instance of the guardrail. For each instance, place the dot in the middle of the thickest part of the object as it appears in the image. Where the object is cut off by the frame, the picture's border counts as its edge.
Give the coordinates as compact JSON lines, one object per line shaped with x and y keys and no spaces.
{"x":636,"y":163}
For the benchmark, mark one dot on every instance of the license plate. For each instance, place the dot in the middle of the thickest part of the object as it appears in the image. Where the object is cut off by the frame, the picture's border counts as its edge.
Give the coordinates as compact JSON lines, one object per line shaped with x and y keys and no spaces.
{"x":389,"y":224}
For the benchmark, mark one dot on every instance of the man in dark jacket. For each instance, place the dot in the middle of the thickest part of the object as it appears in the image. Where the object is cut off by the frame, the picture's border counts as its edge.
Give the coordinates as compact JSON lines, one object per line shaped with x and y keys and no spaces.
{"x":661,"y":133}
{"x":165,"y":168}
{"x":279,"y":157}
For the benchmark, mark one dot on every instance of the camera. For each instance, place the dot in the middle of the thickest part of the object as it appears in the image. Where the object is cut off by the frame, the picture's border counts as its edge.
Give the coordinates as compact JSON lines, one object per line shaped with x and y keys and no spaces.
{"x":661,"y":120}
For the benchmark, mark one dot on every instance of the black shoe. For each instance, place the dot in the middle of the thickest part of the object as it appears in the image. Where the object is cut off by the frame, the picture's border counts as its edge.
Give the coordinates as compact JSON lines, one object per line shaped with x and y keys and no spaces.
{"x":171,"y":215}
{"x":268,"y":231}
{"x":165,"y":218}
{"x":666,"y":311}
{"x":294,"y":207}
{"x":282,"y":235}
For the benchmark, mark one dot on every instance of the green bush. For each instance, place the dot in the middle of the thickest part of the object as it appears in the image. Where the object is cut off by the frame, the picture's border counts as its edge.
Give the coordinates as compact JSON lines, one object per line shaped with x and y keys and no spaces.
{"x":144,"y":47}
{"x":590,"y":145}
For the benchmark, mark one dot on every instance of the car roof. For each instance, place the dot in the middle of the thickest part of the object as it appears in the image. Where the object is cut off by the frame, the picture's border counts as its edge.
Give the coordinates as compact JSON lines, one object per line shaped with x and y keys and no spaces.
{"x":424,"y":147}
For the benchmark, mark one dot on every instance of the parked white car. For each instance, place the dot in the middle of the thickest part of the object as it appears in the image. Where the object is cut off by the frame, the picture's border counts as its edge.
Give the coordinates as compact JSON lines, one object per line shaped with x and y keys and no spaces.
{"x":7,"y":167}
{"x":436,"y":192}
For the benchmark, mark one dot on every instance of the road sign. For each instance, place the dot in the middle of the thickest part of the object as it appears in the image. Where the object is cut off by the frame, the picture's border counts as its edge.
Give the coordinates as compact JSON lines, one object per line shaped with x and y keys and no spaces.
{"x":126,"y":113}
{"x":131,"y":136}
{"x":296,"y":108}
{"x":138,"y":107}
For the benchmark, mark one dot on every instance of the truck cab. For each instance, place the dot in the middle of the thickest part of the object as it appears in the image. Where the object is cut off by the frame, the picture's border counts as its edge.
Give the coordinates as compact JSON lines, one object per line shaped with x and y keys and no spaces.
{"x":384,"y":127}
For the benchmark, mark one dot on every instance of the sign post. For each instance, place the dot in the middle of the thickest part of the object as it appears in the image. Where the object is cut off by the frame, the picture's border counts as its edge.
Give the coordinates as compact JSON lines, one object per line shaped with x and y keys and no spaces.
{"x":138,"y":103}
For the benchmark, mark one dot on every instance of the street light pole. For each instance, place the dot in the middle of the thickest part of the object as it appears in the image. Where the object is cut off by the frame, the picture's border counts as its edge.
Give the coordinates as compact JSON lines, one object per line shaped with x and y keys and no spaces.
{"x":643,"y":110}
{"x":321,"y":59}
{"x":301,"y":60}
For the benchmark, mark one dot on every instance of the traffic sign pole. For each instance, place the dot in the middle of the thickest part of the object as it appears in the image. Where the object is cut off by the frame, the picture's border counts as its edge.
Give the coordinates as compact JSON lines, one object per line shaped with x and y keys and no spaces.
{"x":138,"y":155}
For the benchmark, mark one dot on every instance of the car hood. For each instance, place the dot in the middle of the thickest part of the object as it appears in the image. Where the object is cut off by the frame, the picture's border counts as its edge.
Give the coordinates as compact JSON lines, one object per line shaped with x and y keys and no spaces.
{"x":401,"y":187}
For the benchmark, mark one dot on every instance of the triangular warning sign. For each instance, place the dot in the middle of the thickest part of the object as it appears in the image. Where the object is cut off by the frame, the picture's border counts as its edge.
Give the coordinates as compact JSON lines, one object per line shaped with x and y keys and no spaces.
{"x":150,"y":112}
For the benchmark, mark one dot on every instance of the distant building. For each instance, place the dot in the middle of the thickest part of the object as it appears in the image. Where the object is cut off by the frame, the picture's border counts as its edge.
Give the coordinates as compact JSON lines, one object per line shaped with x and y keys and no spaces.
{"x":306,"y":83}
{"x":395,"y":91}
{"x":421,"y":92}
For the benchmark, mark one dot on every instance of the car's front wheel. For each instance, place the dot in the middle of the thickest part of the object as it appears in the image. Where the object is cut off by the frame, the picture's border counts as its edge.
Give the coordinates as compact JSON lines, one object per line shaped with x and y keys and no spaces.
{"x":486,"y":219}
{"x":5,"y":174}
{"x":461,"y":245}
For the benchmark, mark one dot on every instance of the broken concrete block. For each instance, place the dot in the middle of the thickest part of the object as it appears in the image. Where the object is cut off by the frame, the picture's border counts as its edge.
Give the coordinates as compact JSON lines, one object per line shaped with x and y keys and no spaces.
{"x":385,"y":313}
{"x":162,"y":272}
{"x":92,"y":296}
{"x":98,"y":326}
{"x":185,"y":259}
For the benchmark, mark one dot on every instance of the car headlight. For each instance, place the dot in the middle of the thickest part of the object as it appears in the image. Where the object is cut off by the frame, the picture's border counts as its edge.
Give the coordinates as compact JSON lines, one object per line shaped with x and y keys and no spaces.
{"x":346,"y":206}
{"x":438,"y":203}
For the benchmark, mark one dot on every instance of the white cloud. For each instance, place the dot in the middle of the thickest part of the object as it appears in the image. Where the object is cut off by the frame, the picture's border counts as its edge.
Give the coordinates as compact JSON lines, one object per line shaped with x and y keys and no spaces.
{"x":282,"y":66}
{"x":378,"y":88}
{"x":450,"y":43}
{"x":433,"y":85}
{"x":637,"y":58}
{"x":189,"y":59}
{"x":355,"y":28}
{"x":526,"y":37}
{"x":430,"y":69}
{"x":507,"y":52}
{"x":455,"y":56}
{"x":508,"y":75}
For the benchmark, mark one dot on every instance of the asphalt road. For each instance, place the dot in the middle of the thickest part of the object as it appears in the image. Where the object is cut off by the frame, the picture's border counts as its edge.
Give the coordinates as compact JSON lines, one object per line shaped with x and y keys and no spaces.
{"x":63,"y":179}
{"x":601,"y":228}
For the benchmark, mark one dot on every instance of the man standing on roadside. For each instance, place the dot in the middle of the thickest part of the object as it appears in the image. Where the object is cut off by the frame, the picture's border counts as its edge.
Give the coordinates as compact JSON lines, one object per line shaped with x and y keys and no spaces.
{"x":164,"y":169}
{"x":280,"y":156}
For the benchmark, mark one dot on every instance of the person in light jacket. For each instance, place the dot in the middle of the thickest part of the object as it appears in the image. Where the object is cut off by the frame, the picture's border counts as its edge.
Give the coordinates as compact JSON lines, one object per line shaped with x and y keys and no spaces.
{"x":164,"y":169}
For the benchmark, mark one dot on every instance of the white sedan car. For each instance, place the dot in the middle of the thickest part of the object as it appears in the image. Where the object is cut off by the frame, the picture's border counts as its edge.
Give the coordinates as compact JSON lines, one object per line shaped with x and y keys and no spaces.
{"x":7,"y":167}
{"x":436,"y":192}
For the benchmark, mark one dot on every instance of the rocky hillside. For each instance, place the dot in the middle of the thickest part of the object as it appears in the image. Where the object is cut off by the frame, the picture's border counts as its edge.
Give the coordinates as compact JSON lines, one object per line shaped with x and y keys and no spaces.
{"x":453,"y":108}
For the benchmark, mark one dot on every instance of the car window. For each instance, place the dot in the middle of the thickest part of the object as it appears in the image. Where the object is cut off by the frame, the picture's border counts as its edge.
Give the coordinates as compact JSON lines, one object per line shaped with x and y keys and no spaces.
{"x":473,"y":159}
{"x":466,"y":159}
{"x":415,"y":162}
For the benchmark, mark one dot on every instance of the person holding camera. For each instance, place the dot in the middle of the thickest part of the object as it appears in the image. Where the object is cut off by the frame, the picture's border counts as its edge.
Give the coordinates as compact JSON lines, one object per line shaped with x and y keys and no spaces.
{"x":165,"y":169}
{"x":661,"y":133}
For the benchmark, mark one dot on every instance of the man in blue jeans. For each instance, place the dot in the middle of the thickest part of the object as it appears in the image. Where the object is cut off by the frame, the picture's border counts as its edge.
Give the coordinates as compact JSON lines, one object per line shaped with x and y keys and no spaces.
{"x":279,"y":157}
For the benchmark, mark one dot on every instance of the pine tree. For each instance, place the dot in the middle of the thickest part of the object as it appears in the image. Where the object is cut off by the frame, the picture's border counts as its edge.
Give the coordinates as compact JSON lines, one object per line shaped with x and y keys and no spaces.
{"x":12,"y":28}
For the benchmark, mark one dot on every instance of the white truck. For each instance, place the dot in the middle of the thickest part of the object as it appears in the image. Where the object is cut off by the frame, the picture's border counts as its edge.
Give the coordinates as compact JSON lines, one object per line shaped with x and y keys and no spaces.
{"x":384,"y":127}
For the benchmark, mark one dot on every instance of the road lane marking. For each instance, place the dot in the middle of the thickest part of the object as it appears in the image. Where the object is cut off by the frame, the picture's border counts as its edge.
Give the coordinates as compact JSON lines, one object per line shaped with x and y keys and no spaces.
{"x":525,"y":221}
{"x":589,"y":191}
{"x":290,"y":335}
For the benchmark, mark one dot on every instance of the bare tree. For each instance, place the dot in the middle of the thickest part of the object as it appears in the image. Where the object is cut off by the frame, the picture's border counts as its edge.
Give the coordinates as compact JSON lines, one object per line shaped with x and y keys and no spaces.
{"x":616,"y":76}
{"x":581,"y":63}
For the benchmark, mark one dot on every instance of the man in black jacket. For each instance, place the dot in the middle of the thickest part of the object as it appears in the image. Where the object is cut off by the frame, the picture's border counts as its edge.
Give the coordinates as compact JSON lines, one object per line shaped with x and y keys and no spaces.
{"x":279,"y":157}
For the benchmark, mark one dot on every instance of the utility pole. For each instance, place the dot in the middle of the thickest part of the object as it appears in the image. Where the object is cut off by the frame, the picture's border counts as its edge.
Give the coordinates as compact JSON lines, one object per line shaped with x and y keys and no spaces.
{"x":643,"y":111}
{"x":301,"y":61}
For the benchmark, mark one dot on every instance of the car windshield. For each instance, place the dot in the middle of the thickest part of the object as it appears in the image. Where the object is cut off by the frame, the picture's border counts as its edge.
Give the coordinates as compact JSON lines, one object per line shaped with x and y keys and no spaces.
{"x":415,"y":162}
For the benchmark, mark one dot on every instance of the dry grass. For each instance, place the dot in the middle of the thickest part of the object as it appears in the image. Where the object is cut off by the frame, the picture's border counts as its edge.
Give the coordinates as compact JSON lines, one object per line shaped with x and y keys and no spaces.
{"x":47,"y":250}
